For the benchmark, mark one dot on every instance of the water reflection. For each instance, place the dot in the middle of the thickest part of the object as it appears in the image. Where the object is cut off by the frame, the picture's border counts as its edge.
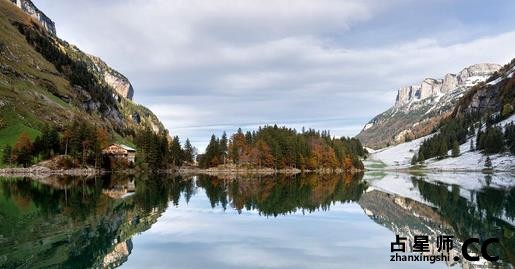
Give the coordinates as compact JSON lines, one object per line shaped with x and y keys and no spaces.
{"x":91,"y":222}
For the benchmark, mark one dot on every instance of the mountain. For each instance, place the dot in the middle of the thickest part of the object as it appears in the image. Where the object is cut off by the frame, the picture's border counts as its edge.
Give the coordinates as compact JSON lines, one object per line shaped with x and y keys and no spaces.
{"x":418,"y":109}
{"x":45,"y":80}
{"x":486,"y":108}
{"x":28,"y":7}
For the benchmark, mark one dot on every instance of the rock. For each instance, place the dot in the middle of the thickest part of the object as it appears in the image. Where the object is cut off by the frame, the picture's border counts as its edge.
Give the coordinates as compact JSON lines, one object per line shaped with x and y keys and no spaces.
{"x":431,"y":87}
{"x":120,"y":84}
{"x":28,"y":7}
{"x":477,"y":70}
{"x":419,"y":108}
{"x":113,"y":78}
{"x":450,"y":82}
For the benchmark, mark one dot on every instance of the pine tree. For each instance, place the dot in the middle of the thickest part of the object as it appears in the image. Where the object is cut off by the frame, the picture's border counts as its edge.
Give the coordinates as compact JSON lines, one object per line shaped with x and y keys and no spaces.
{"x":189,"y":152}
{"x":443,"y":149}
{"x":223,"y":147}
{"x":455,"y":149}
{"x":414,"y":159}
{"x":7,"y":155}
{"x":421,"y":157}
{"x":176,"y":152}
{"x":488,"y":163}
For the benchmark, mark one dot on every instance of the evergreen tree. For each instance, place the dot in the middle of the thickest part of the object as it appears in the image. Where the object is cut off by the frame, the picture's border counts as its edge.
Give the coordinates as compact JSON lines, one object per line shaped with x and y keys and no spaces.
{"x":488,"y":163}
{"x":492,"y":141}
{"x":443,"y":149}
{"x":176,"y":152}
{"x":414,"y":159}
{"x":7,"y":155}
{"x":421,"y":157}
{"x":455,"y":149}
{"x":224,"y":147}
{"x":189,"y":152}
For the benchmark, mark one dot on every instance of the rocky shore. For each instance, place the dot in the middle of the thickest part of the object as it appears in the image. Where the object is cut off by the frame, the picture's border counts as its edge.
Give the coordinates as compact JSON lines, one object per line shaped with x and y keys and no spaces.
{"x":40,"y":171}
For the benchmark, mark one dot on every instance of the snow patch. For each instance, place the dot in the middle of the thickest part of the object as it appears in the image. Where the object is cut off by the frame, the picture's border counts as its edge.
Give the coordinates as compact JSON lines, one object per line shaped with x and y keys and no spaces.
{"x":399,"y":156}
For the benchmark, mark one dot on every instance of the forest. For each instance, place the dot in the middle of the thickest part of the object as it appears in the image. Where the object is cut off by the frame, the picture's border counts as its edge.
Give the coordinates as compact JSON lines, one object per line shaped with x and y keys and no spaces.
{"x":80,"y":144}
{"x":489,"y":138}
{"x":281,"y":147}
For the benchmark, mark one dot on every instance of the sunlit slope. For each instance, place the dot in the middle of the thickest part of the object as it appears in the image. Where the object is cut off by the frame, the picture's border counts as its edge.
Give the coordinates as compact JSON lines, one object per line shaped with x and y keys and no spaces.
{"x":44,"y":80}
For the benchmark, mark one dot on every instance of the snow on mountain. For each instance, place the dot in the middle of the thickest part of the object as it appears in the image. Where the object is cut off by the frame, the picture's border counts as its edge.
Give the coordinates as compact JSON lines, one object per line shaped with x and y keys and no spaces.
{"x":399,"y":156}
{"x":419,"y":108}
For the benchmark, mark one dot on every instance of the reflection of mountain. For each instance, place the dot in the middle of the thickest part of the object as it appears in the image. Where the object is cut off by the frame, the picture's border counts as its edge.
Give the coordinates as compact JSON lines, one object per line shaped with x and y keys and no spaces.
{"x":75,"y":223}
{"x":79,"y":227}
{"x":485,"y":215}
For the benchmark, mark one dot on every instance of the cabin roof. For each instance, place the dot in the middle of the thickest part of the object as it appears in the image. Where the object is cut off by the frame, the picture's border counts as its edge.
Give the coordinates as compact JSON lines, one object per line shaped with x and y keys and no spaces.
{"x":125,"y":147}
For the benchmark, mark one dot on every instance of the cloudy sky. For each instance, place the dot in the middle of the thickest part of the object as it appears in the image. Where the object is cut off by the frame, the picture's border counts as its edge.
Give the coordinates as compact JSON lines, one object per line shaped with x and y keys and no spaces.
{"x":204,"y":66}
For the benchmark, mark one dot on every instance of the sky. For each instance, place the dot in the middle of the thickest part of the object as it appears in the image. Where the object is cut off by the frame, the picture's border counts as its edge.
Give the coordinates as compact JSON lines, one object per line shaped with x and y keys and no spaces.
{"x":208,"y":66}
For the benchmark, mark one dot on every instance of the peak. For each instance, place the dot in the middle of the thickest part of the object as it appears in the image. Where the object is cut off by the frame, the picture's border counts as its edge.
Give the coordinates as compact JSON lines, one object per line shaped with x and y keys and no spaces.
{"x":433,"y":87}
{"x":480,"y":69}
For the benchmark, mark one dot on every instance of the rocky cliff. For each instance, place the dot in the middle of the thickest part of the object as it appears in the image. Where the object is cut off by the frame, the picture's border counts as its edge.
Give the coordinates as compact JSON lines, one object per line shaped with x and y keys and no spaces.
{"x":496,"y":95}
{"x":431,"y":87}
{"x":113,"y":78}
{"x":419,"y":108}
{"x":28,"y":7}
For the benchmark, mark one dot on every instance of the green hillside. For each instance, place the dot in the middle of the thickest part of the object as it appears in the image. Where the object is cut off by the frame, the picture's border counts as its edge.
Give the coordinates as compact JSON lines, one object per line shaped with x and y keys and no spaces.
{"x":46,"y":81}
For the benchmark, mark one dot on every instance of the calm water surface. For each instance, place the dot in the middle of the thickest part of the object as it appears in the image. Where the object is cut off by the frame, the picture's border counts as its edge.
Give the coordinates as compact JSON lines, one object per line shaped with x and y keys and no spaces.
{"x":312,"y":221}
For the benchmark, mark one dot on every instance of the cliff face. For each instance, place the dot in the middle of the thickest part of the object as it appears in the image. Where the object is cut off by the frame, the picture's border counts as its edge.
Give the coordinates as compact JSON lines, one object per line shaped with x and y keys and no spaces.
{"x":28,"y":7}
{"x":431,"y":87}
{"x":113,"y":78}
{"x":497,"y":95}
{"x":419,"y":108}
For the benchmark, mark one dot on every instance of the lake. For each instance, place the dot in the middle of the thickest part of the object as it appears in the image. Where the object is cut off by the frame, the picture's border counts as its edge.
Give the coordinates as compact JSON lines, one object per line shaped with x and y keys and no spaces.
{"x":303,"y":221}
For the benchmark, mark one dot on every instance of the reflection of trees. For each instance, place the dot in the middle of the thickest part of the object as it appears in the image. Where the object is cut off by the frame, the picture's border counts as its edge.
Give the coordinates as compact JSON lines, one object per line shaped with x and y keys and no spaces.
{"x":76,"y":223}
{"x":280,"y":194}
{"x":71,"y":224}
{"x":483,"y":216}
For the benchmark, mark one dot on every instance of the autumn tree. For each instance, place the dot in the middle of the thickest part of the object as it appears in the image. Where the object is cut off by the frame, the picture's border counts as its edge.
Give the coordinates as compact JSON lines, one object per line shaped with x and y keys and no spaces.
{"x":22,"y":151}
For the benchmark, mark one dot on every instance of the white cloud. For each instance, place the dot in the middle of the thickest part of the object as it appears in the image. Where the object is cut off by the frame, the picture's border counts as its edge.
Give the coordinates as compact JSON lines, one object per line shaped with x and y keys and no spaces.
{"x":209,"y":63}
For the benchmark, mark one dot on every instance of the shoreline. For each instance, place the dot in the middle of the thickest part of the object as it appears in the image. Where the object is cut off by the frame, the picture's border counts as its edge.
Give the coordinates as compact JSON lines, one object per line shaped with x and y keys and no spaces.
{"x":38,"y":171}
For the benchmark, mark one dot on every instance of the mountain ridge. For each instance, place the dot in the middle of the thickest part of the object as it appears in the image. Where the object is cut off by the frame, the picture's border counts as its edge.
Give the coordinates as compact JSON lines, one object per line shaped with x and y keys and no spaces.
{"x":418,"y":109}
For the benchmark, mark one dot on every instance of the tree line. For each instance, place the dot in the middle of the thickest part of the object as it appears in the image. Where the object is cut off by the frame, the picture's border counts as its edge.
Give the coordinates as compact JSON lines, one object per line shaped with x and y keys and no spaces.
{"x":281,"y":147}
{"x":490,"y":139}
{"x":80,"y":141}
{"x":156,"y":151}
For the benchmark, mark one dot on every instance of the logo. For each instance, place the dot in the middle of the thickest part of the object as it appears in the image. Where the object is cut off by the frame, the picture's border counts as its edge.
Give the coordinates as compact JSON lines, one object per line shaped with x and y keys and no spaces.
{"x":441,"y":250}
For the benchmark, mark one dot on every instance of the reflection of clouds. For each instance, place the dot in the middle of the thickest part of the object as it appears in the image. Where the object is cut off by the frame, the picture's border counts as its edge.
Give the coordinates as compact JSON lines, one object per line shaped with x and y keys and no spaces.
{"x":241,"y":255}
{"x":195,"y":236}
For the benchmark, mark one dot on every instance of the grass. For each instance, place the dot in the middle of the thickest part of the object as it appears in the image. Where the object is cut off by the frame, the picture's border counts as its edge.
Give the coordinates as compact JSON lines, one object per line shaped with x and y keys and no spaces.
{"x":375,"y":164}
{"x":10,"y":134}
{"x":121,"y":140}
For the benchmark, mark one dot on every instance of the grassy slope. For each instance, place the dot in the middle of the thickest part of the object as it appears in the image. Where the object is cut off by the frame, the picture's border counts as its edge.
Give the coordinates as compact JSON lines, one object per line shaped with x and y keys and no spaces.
{"x":33,"y":92}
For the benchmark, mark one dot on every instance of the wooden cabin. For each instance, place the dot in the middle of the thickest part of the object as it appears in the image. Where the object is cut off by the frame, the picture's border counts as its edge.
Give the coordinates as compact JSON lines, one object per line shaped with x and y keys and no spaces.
{"x":120,"y":151}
